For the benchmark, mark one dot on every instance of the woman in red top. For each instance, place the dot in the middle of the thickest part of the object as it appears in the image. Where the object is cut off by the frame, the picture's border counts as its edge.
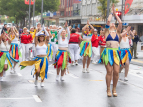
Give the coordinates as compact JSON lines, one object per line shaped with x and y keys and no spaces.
{"x":26,"y":40}
{"x":74,"y":46}
{"x":95,"y":48}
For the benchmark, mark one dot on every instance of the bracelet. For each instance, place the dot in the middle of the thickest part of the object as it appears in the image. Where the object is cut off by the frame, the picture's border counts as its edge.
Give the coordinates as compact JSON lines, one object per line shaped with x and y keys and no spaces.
{"x":107,"y":26}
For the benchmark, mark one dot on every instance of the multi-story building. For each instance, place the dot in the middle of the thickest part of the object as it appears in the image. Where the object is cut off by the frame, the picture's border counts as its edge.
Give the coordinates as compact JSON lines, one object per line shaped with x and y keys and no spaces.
{"x":72,"y":12}
{"x":69,"y":10}
{"x":134,"y":17}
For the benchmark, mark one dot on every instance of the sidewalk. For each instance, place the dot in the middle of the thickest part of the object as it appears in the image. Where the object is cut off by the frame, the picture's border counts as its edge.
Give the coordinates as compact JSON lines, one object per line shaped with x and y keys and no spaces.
{"x":138,"y":61}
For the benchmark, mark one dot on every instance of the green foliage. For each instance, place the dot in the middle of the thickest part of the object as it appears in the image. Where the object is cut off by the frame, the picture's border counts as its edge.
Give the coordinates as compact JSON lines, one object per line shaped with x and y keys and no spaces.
{"x":103,"y":7}
{"x":19,"y":10}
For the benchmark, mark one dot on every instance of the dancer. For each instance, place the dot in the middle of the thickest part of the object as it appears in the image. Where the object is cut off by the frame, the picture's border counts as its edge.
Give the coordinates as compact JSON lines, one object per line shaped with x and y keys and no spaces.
{"x":74,"y":47}
{"x":53,"y":40}
{"x":40,"y":61}
{"x":5,"y":58}
{"x":33,"y":33}
{"x":125,"y":52}
{"x":95,"y":48}
{"x":110,"y":55}
{"x":86,"y":46}
{"x":102,"y":40}
{"x":61,"y":60}
{"x":26,"y":40}
{"x":14,"y":48}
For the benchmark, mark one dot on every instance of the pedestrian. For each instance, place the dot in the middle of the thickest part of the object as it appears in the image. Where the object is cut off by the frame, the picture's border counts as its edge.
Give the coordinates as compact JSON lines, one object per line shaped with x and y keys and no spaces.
{"x":125,"y":52}
{"x":86,"y":46}
{"x":61,"y":60}
{"x":26,"y":40}
{"x":135,"y":41}
{"x":74,"y":46}
{"x":14,"y":48}
{"x":5,"y":58}
{"x":40,"y":61}
{"x":110,"y":55}
{"x":95,"y":48}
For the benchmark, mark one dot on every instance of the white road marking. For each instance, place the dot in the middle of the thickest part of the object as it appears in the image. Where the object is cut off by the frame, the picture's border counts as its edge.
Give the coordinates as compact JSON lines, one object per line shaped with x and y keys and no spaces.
{"x":37,"y":99}
{"x":16,"y":98}
{"x":19,"y":74}
{"x":72,"y":75}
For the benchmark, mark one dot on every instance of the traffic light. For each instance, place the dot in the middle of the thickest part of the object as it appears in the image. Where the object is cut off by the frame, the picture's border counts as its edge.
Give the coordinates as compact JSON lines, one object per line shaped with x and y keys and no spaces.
{"x":119,"y":14}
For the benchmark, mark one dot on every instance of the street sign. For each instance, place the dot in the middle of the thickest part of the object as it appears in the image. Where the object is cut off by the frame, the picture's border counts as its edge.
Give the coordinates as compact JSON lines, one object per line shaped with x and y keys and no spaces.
{"x":12,"y":21}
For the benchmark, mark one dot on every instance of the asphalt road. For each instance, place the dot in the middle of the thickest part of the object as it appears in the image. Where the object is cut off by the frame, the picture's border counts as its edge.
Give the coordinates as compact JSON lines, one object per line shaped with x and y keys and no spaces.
{"x":78,"y":90}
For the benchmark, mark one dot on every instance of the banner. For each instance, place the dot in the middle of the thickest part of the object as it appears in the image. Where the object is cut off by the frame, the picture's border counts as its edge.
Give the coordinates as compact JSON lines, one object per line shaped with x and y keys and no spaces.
{"x":128,"y":4}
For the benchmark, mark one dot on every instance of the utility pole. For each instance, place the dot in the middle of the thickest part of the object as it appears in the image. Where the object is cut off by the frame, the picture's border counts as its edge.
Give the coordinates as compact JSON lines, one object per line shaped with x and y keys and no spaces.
{"x":33,"y":12}
{"x":108,"y":6}
{"x":29,"y":12}
{"x":42,"y":13}
{"x":123,"y":8}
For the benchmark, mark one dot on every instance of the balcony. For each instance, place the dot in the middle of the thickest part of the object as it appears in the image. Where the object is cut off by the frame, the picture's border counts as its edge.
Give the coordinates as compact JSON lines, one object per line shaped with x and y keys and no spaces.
{"x":61,"y":8}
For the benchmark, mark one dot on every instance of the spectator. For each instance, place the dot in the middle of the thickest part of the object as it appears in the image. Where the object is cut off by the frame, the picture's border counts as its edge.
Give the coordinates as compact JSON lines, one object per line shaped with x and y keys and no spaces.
{"x":135,"y":41}
{"x":4,"y":28}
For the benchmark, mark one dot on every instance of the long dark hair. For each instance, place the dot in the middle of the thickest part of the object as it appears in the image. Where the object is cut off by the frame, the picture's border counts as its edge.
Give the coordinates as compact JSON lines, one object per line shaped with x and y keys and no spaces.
{"x":39,"y":39}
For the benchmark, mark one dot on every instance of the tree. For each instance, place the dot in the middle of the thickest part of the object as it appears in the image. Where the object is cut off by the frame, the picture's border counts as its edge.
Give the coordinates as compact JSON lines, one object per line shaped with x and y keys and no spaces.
{"x":19,"y":10}
{"x":103,"y":7}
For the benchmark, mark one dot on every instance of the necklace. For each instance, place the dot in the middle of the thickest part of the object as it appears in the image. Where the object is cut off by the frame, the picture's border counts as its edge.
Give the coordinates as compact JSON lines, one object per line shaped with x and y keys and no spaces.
{"x":113,"y":31}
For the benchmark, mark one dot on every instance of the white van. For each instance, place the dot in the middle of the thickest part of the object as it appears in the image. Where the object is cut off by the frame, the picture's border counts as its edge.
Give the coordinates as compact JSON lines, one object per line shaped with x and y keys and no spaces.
{"x":9,"y":24}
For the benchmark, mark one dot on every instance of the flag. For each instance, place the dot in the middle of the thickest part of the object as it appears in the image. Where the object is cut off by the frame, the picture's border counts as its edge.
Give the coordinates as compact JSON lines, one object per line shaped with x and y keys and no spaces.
{"x":128,"y":4}
{"x":27,"y":2}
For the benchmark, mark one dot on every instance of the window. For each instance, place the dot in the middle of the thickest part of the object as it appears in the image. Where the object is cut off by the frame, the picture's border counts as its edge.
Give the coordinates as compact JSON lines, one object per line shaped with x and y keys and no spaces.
{"x":69,"y":2}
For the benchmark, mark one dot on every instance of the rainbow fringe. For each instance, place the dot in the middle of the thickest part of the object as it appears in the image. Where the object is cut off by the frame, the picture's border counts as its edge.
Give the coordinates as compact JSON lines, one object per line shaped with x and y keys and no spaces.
{"x":49,"y":50}
{"x":41,"y":62}
{"x":125,"y":54}
{"x":4,"y":55}
{"x":110,"y":55}
{"x":86,"y":48}
{"x":61,"y":59}
{"x":14,"y":49}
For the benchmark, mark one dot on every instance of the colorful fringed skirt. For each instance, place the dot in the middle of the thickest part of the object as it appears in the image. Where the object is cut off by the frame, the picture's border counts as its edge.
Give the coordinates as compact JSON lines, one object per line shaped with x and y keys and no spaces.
{"x":15,"y":52}
{"x":41,"y":62}
{"x":49,"y":50}
{"x":111,"y":56}
{"x":86,"y":48}
{"x":125,"y":54}
{"x":4,"y":59}
{"x":61,"y":60}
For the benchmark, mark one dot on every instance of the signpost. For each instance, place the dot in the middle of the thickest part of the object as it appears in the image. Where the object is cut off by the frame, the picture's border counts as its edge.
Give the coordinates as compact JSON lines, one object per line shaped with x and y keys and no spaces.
{"x":29,"y":12}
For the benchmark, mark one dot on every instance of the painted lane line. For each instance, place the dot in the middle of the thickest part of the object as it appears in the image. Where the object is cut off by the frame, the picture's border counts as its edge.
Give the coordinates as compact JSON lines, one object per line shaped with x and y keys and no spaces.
{"x":19,"y":74}
{"x":72,"y":75}
{"x":16,"y":98}
{"x":124,"y":81}
{"x":37,"y":99}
